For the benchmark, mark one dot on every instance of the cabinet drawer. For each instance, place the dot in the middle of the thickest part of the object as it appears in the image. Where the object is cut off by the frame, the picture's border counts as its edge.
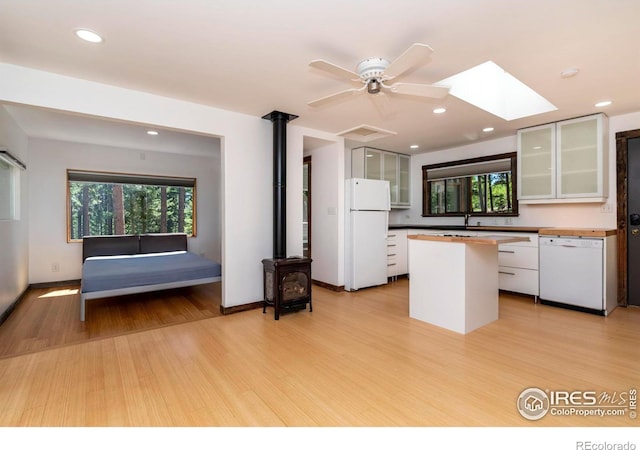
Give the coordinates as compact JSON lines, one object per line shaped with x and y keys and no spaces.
{"x":521,"y":257}
{"x":392,"y":266}
{"x":514,"y":279}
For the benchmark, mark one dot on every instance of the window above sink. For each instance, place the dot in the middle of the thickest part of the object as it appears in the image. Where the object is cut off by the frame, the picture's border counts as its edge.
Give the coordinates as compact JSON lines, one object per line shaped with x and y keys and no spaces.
{"x":483,"y":186}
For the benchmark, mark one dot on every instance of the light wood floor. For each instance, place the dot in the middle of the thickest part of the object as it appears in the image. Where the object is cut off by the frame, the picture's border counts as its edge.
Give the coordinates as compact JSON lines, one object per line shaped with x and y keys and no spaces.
{"x":357,"y":360}
{"x":50,"y":317}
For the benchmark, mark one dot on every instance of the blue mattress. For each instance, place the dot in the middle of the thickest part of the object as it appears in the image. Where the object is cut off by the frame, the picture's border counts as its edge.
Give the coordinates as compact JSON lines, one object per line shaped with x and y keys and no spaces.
{"x":104,"y":273}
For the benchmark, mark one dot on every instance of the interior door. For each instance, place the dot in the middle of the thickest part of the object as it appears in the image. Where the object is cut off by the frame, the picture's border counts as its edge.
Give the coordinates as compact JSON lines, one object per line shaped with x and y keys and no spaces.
{"x":633,"y":221}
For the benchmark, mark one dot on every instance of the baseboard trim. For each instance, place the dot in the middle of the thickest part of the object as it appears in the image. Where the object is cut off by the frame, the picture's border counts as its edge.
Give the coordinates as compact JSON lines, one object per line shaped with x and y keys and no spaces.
{"x":7,"y":312}
{"x":331,"y":287}
{"x":239,"y":308}
{"x":53,"y":284}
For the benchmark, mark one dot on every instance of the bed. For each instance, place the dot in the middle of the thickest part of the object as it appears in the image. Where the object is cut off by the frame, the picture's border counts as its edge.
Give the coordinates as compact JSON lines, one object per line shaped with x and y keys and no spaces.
{"x":122,"y":265}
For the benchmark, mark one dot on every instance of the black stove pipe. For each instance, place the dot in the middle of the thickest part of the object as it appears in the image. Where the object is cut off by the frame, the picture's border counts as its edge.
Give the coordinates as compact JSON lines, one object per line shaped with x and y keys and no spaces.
{"x":279,"y":120}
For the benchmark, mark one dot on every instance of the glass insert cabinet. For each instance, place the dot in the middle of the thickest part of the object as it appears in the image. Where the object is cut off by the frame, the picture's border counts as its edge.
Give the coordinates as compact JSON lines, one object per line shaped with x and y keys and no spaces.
{"x":376,"y":164}
{"x":563,"y":161}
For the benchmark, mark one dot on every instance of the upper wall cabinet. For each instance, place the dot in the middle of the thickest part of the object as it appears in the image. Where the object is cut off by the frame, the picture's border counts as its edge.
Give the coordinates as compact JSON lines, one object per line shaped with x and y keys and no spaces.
{"x":372,"y":163}
{"x":563,"y":161}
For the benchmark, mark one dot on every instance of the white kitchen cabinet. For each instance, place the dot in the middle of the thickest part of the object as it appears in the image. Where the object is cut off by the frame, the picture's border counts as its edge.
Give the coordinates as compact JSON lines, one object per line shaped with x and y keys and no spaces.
{"x":563,"y":161}
{"x":518,"y":265}
{"x":376,"y":164}
{"x":404,"y":181}
{"x":396,"y":252}
{"x":517,"y":262}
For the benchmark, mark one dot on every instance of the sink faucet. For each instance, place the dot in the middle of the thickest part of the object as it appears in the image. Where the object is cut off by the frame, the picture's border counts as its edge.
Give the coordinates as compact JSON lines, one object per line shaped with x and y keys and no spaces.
{"x":466,"y":220}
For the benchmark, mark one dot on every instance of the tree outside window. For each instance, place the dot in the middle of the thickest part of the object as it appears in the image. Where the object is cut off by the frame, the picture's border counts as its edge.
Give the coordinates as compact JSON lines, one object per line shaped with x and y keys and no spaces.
{"x":102,"y":204}
{"x":478,"y":186}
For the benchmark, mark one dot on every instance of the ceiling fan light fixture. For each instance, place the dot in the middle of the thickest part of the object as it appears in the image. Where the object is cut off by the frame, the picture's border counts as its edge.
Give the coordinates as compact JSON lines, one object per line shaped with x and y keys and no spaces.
{"x":373,"y":86}
{"x":375,"y":73}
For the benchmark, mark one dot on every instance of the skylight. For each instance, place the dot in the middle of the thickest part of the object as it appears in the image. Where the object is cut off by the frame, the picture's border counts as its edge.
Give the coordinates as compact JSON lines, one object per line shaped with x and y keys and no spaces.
{"x":489,"y":87}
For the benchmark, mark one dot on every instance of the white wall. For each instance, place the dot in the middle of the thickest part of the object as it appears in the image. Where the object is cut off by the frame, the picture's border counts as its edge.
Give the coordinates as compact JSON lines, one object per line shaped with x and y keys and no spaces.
{"x":549,"y":215}
{"x":14,"y":257}
{"x":48,"y":208}
{"x":246,"y":151}
{"x":327,"y":206}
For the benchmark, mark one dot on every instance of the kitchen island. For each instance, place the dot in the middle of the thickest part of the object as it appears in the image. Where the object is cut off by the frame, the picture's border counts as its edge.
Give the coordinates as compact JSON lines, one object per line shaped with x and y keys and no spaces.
{"x":453,"y":280}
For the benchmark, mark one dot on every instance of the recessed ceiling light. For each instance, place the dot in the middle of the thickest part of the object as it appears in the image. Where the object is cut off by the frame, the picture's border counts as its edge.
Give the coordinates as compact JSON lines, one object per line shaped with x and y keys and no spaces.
{"x":88,"y":35}
{"x":152,"y":133}
{"x":604,"y":103}
{"x":487,"y":129}
{"x":568,"y":73}
{"x":439,"y":110}
{"x":414,"y":146}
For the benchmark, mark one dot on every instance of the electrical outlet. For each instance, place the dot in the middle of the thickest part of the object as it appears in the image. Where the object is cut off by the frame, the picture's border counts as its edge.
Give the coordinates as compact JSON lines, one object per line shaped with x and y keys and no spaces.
{"x":55,"y":267}
{"x":606,"y":208}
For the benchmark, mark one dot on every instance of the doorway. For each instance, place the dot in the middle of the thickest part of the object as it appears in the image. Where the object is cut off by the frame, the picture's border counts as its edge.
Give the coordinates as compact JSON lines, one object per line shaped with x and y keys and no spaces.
{"x":306,"y":207}
{"x":628,"y":217}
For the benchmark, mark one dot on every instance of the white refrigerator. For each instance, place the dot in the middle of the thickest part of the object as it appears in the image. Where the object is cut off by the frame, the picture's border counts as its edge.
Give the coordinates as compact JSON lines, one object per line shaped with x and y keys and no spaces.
{"x":368,"y":204}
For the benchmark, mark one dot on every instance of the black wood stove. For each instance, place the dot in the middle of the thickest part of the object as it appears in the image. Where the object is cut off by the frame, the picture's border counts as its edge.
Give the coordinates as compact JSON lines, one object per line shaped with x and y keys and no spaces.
{"x":287,"y":281}
{"x":287,"y":284}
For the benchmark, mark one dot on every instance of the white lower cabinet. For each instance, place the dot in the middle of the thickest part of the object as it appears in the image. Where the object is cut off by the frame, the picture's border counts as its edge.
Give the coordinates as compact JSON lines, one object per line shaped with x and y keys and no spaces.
{"x":518,"y":266}
{"x":396,"y":252}
{"x":517,"y":262}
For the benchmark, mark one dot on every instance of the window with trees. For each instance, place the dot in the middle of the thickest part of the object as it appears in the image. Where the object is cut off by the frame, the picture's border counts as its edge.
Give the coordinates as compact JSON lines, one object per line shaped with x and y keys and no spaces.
{"x":478,"y":186}
{"x":104,"y":204}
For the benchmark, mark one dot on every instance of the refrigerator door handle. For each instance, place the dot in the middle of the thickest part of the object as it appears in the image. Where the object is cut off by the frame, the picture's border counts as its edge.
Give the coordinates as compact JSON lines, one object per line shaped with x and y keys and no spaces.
{"x":388,"y":197}
{"x":386,"y":224}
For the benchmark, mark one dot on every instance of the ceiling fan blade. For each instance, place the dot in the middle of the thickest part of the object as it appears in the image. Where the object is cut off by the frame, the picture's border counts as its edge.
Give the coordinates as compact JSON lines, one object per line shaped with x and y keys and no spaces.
{"x":333,"y":69}
{"x":334,"y":97}
{"x":415,"y":55}
{"x":420,"y":90}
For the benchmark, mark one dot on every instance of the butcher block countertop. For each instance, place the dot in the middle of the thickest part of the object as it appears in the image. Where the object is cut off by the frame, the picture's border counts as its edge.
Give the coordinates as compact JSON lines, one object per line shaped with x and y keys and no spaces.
{"x":489,"y":240}
{"x":577,"y":232}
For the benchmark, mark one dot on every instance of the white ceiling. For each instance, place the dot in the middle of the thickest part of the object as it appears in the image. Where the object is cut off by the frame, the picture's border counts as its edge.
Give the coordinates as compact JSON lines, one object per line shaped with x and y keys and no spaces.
{"x":252,"y":56}
{"x":48,"y":124}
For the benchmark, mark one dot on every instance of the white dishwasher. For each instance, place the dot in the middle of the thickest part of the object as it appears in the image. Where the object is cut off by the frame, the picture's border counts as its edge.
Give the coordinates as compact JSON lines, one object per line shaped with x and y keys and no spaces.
{"x":572,"y":272}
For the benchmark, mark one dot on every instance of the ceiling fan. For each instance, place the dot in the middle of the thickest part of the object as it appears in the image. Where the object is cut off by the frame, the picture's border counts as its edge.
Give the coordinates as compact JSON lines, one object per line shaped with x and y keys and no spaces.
{"x":375,"y":74}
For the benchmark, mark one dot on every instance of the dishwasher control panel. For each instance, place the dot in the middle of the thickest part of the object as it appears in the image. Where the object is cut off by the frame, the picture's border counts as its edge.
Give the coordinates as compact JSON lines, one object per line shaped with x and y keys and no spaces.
{"x":561,"y":241}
